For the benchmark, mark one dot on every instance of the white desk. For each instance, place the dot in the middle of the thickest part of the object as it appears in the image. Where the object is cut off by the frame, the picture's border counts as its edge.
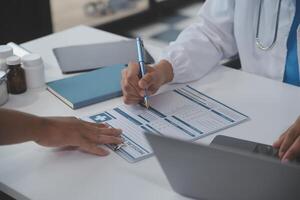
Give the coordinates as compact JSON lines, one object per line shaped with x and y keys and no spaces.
{"x":29,"y":171}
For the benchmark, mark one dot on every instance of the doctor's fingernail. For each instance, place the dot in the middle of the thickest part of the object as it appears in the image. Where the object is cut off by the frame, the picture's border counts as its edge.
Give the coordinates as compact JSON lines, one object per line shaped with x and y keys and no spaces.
{"x":285,"y":160}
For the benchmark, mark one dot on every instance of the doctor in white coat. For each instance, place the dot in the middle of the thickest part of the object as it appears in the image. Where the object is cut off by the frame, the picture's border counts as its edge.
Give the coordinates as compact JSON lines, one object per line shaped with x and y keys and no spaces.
{"x":264,"y":33}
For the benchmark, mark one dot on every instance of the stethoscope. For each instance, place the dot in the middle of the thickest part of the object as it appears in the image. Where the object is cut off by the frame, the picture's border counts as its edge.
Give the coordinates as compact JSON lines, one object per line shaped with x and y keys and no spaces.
{"x":258,"y":42}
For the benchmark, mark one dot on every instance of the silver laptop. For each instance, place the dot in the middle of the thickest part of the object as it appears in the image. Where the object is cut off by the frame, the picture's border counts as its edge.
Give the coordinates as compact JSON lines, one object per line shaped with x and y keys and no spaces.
{"x":248,"y":172}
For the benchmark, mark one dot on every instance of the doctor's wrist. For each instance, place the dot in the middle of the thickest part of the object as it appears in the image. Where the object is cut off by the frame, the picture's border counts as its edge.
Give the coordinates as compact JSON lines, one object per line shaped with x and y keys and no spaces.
{"x":165,"y":71}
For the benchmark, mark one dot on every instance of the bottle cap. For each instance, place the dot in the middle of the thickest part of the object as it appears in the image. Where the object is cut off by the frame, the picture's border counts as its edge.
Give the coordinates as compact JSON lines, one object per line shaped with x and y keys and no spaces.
{"x":13,"y":60}
{"x":5,"y":51}
{"x":32,"y":60}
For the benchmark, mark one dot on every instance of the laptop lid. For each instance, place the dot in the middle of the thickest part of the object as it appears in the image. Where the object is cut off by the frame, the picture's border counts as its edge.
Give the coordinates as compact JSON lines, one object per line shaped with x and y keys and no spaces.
{"x":81,"y":58}
{"x":215,"y":172}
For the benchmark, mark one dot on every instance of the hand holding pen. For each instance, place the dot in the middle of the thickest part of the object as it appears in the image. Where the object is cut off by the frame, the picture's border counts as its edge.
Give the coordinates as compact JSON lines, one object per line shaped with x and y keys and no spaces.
{"x":134,"y":86}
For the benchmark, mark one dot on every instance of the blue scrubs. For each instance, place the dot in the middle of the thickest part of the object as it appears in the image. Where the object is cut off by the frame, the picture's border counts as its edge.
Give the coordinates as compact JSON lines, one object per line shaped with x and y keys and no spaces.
{"x":291,"y":74}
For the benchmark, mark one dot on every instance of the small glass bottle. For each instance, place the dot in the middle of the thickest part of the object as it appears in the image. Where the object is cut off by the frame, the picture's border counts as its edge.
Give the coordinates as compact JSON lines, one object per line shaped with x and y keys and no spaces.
{"x":16,"y":76}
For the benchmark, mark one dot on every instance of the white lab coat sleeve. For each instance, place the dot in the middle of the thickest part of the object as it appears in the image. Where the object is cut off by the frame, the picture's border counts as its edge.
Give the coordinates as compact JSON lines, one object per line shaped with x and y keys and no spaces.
{"x":202,"y":45}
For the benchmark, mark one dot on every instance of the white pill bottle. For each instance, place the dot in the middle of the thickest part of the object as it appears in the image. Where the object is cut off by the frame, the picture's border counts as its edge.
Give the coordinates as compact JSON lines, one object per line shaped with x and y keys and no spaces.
{"x":34,"y":71}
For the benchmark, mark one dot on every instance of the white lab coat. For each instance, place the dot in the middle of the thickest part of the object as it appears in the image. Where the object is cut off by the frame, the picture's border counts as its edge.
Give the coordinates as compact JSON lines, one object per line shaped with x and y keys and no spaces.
{"x":227,"y":27}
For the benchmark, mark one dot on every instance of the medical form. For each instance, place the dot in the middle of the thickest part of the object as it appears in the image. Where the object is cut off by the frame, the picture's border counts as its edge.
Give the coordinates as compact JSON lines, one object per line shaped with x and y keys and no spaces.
{"x":184,"y":113}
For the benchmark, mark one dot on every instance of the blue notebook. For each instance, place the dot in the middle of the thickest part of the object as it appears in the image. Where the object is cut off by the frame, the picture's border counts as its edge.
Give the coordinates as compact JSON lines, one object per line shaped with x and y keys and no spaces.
{"x":88,"y":88}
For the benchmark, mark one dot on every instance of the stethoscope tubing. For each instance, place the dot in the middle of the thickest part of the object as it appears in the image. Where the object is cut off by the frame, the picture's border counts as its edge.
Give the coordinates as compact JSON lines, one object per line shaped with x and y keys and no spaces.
{"x":258,"y":42}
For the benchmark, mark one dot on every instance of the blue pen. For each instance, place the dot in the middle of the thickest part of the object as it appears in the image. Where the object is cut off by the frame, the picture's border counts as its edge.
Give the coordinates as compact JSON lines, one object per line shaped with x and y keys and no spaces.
{"x":141,"y":61}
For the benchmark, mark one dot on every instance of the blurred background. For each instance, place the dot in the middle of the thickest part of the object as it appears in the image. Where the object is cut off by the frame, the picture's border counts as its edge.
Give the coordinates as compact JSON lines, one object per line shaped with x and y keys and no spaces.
{"x":157,"y":20}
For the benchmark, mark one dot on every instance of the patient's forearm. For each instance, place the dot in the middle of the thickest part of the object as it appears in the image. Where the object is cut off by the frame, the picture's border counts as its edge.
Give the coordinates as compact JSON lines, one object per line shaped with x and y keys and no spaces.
{"x":17,"y":127}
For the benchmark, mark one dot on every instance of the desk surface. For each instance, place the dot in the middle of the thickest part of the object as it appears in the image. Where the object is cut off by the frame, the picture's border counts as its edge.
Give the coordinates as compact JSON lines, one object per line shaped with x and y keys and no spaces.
{"x":29,"y":171}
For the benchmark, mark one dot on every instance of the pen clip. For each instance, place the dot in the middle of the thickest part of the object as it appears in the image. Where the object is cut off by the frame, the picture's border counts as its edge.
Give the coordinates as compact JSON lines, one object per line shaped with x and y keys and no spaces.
{"x":140,"y":50}
{"x":119,"y":146}
{"x":142,"y":43}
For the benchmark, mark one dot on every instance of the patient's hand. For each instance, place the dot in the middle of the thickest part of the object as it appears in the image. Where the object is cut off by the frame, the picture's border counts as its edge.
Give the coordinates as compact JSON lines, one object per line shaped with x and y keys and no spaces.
{"x":70,"y":131}
{"x":289,"y":142}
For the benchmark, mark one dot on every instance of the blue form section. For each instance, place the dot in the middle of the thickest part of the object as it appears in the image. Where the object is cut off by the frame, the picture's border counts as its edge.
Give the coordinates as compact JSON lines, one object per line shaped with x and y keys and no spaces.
{"x":216,"y":101}
{"x":177,"y":126}
{"x":188,"y":125}
{"x":155,"y":130}
{"x":135,"y":145}
{"x":143,"y":118}
{"x":118,"y":110}
{"x":199,"y":93}
{"x":157,"y":112}
{"x":111,"y":115}
{"x":146,"y":129}
{"x":221,"y":115}
{"x":201,"y":104}
{"x":125,"y":152}
{"x":100,"y":118}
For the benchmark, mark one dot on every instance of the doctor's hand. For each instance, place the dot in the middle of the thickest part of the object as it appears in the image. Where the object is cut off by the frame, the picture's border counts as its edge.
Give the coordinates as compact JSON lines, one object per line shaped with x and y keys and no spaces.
{"x":289,"y":142}
{"x":133,"y":87}
{"x":72,"y":132}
